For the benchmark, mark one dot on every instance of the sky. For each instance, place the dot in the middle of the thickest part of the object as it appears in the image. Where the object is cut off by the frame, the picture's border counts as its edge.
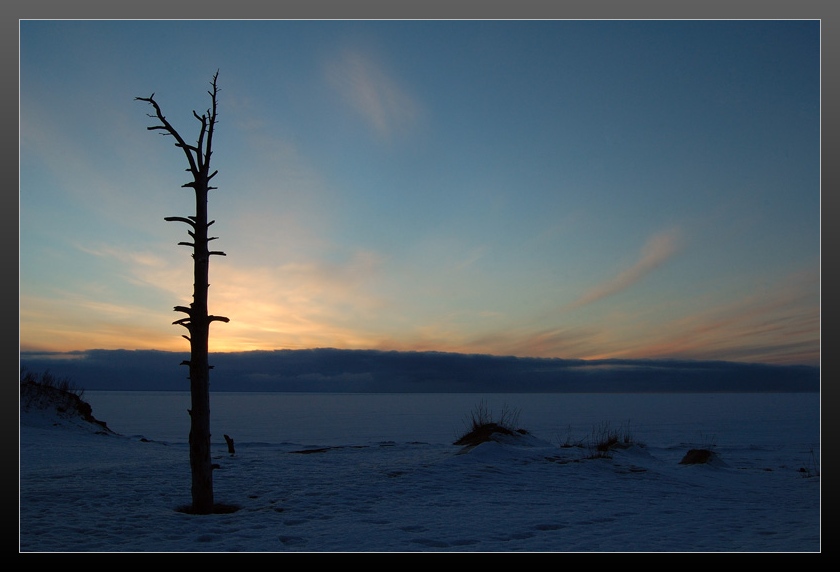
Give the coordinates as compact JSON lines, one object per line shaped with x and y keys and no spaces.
{"x":573,"y":189}
{"x":394,"y":481}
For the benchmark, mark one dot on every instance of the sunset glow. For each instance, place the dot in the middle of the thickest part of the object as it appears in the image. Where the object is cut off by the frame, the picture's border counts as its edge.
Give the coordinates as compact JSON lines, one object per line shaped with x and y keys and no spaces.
{"x":571,"y":189}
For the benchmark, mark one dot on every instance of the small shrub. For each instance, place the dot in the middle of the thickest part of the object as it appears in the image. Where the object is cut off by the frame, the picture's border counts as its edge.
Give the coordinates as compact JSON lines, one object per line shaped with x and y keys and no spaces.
{"x":605,"y":438}
{"x":568,"y":442}
{"x":481,"y":424}
{"x":481,"y":416}
{"x":697,"y":457}
{"x":810,"y":469}
{"x":48,"y":391}
{"x":34,"y":385}
{"x":708,"y":441}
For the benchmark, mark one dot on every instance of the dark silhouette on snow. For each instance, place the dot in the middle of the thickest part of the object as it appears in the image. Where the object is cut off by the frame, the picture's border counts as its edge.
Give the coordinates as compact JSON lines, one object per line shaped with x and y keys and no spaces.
{"x":197,"y":321}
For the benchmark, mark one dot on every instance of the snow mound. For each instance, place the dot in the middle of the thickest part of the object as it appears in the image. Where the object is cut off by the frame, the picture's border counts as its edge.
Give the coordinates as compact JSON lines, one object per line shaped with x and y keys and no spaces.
{"x":46,"y":406}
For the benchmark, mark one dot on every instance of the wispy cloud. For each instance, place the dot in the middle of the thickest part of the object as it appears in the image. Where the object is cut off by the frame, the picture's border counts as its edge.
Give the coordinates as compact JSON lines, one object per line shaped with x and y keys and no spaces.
{"x":131,"y":257}
{"x":571,"y":342}
{"x":656,"y":251}
{"x":779,"y":324}
{"x":384,"y":104}
{"x":69,"y":321}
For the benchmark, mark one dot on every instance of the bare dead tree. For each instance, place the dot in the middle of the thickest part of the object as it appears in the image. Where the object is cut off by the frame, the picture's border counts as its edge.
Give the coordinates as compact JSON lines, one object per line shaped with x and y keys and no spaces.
{"x":197,"y":321}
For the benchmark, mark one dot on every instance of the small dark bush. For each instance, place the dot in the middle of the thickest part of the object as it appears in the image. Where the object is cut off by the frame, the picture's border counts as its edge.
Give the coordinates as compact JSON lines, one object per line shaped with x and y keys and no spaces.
{"x":46,"y":390}
{"x":811,"y":469}
{"x":697,"y":457}
{"x":481,"y":425}
{"x":605,"y":438}
{"x":46,"y":383}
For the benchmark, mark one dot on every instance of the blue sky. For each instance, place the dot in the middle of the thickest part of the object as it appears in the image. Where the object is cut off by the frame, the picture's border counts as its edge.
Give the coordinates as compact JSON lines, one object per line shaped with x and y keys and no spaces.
{"x":572,"y":189}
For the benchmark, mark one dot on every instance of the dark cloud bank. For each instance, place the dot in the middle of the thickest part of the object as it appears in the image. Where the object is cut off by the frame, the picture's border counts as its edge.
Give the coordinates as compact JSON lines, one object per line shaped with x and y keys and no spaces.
{"x":372,"y":371}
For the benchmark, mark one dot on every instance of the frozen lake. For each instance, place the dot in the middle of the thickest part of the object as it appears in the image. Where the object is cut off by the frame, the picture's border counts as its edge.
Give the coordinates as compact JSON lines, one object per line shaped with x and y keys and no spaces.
{"x":762,"y":419}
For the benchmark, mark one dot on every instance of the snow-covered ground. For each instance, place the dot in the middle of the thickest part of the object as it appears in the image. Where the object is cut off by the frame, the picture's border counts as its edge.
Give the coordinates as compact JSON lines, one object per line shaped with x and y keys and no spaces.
{"x":84,"y":490}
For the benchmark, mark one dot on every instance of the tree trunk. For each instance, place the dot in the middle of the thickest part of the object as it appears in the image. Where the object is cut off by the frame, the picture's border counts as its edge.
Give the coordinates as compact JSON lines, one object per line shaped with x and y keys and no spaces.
{"x":200,"y":462}
{"x":198,"y":320}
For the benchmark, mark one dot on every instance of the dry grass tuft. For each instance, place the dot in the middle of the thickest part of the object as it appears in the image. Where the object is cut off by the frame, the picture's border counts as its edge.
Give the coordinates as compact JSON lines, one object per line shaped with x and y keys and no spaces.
{"x":481,"y":425}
